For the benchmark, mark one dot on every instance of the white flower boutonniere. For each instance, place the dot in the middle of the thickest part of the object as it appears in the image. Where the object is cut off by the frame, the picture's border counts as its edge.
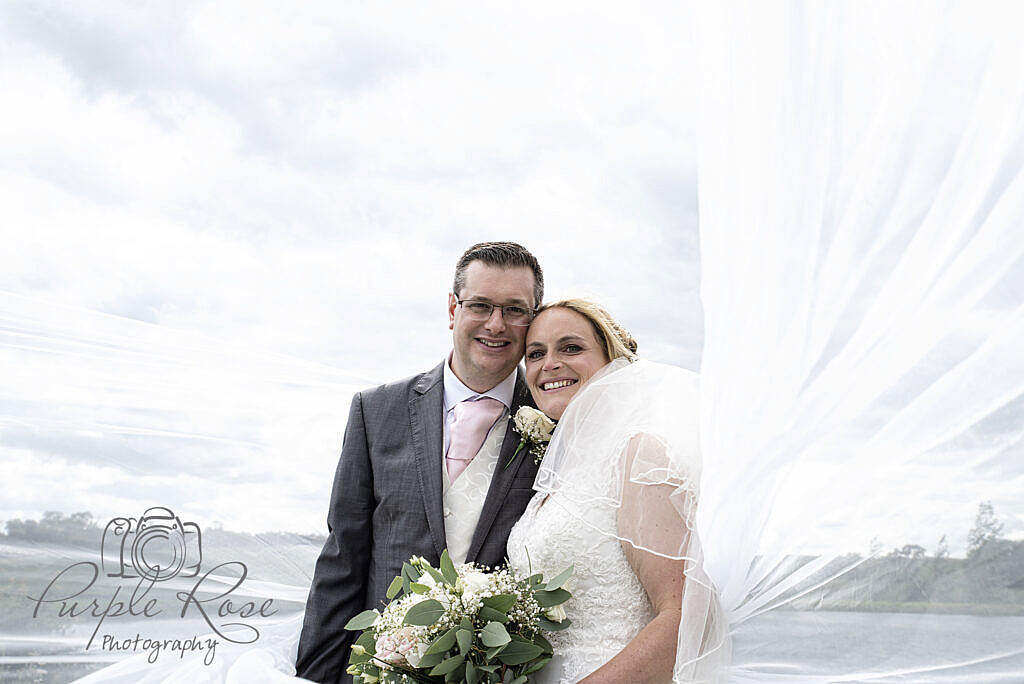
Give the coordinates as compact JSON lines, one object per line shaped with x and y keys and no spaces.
{"x":536,"y":429}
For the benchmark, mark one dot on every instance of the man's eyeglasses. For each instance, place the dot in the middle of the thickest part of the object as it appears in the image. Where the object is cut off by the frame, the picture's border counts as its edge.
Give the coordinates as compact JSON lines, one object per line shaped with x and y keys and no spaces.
{"x":481,"y":311}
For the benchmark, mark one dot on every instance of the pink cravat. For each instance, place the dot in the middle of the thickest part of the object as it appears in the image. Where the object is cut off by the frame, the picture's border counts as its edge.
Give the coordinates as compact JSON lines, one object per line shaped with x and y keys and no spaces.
{"x":473,"y":419}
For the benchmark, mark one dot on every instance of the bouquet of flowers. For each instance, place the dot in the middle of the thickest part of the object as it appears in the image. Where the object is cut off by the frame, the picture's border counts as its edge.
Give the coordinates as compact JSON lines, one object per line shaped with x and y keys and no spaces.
{"x":459,"y":624}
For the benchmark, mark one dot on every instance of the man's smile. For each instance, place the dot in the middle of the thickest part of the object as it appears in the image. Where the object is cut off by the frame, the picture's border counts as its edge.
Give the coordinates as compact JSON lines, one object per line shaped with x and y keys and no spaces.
{"x":491,"y":343}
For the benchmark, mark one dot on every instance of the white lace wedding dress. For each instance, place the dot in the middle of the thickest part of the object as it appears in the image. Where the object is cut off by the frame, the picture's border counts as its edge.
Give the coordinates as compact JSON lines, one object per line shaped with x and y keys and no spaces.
{"x":609,"y":606}
{"x":611,"y":443}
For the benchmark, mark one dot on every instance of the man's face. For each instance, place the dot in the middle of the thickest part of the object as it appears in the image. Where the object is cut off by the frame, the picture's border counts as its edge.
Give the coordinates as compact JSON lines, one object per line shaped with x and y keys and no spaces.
{"x":486,"y":351}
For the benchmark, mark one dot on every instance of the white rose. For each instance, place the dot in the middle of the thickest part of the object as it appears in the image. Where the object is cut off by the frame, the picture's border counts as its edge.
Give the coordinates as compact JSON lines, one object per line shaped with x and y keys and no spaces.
{"x":555,"y":613}
{"x":534,"y":424}
{"x":475,"y":582}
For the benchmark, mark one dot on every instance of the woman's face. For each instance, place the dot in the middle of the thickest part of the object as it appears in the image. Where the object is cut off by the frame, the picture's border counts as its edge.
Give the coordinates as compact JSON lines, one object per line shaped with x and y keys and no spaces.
{"x":562,"y":353}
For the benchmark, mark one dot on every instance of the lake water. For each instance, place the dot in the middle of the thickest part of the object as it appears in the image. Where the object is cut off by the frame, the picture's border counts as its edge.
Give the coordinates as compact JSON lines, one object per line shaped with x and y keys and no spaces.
{"x":827,"y":643}
{"x":783,"y":643}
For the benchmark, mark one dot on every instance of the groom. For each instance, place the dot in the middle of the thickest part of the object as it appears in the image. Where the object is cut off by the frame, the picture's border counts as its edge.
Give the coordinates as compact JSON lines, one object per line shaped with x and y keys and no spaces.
{"x":423,"y":464}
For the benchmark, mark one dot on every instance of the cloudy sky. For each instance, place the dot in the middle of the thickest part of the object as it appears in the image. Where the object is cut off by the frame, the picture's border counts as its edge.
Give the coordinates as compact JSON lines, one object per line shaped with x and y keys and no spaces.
{"x":222,"y":218}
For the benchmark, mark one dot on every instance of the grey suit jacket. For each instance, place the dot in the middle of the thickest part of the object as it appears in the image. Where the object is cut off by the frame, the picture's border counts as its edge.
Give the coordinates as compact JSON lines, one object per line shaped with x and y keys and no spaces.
{"x":386,"y":507}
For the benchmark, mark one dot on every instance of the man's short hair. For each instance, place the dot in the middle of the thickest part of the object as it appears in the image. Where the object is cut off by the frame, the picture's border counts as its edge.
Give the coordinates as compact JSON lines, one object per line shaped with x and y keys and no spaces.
{"x":504,"y":255}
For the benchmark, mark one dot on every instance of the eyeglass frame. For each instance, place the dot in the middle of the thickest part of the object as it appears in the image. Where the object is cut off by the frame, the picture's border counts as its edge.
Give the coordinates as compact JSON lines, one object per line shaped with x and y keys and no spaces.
{"x":490,"y":312}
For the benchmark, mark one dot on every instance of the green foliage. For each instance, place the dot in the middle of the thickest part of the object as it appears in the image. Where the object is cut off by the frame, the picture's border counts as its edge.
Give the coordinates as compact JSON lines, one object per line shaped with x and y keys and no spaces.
{"x":364,"y":620}
{"x":559,"y":581}
{"x":443,"y":642}
{"x":494,"y":634}
{"x":77,"y":529}
{"x":501,"y":602}
{"x":987,"y":528}
{"x":448,"y":569}
{"x":497,"y":643}
{"x":518,"y":652}
{"x":448,"y":665}
{"x":987,"y":583}
{"x":548,"y":599}
{"x":424,"y":613}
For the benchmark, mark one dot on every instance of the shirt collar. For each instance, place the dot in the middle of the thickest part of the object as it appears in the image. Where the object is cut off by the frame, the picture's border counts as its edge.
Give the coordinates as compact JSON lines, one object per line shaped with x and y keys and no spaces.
{"x":455,"y":391}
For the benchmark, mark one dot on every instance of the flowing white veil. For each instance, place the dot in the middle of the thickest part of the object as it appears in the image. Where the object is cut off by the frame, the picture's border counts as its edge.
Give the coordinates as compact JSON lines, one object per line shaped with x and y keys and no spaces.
{"x":861,"y":203}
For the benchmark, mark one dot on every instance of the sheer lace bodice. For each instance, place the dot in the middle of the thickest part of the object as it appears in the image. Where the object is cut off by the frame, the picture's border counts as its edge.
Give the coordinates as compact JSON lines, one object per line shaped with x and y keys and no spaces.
{"x":609,"y":606}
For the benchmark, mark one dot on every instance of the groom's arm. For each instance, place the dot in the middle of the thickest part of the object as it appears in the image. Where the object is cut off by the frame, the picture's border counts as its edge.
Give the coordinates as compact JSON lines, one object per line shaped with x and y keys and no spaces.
{"x":340,"y":579}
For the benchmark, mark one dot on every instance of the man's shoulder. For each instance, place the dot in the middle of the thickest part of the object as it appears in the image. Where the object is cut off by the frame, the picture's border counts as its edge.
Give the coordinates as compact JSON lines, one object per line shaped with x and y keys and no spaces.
{"x":421,"y":382}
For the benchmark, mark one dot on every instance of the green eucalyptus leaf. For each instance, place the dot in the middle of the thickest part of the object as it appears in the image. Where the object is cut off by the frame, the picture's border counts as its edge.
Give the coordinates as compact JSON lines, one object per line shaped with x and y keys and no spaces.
{"x":521,"y":679}
{"x":448,"y":665}
{"x":465,"y":639}
{"x":500,"y":602}
{"x":494,"y":634}
{"x":519,"y":652}
{"x":539,"y":639}
{"x":424,"y":613}
{"x":442,"y":643}
{"x":472,"y":674}
{"x":457,"y":675}
{"x":430,"y":660}
{"x":368,"y":641}
{"x":418,"y":588}
{"x":363,"y":620}
{"x":394,"y":587}
{"x":547,"y":599}
{"x":488,"y":613}
{"x":411,"y":571}
{"x":537,"y":666}
{"x":560,"y":580}
{"x":448,"y":569}
{"x":438,"y":577}
{"x":492,"y":652}
{"x":552,"y":626}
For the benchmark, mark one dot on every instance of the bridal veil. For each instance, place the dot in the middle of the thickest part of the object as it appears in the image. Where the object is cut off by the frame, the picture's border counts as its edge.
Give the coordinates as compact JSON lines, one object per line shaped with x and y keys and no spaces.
{"x":861,"y":189}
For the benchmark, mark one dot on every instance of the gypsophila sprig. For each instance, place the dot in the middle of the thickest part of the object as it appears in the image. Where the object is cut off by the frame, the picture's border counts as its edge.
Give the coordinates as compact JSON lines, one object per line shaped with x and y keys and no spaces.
{"x":463,"y":623}
{"x":536,"y":430}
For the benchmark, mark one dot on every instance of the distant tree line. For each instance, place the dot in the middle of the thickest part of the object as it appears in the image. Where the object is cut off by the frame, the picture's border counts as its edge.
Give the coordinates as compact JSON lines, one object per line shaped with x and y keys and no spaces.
{"x":57,"y":528}
{"x":984,"y":540}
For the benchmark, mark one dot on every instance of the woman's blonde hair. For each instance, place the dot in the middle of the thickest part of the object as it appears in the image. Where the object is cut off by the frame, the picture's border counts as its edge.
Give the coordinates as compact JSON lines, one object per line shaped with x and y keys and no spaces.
{"x":615,"y":339}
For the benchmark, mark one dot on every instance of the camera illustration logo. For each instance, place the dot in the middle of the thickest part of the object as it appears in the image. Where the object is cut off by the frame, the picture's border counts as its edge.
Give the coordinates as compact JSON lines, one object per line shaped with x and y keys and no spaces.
{"x":157,"y":546}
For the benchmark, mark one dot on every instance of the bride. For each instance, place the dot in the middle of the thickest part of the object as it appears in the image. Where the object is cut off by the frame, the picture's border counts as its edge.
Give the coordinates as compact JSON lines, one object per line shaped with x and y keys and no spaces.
{"x":615,"y":496}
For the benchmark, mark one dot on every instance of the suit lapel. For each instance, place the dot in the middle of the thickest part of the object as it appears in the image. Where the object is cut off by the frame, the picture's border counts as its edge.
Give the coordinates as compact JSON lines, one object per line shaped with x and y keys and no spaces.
{"x":501,"y":481}
{"x":426,"y":415}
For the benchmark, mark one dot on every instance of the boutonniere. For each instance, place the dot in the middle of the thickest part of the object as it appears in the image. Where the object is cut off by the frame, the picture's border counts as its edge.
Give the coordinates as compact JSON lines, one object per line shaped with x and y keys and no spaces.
{"x":536,"y":429}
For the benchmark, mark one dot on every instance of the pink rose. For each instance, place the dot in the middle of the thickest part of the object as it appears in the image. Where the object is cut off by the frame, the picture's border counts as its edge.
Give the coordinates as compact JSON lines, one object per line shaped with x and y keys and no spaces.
{"x":393,"y":648}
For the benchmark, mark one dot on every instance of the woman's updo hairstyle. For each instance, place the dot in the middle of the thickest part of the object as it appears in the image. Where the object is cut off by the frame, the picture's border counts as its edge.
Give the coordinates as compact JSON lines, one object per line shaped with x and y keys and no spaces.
{"x":615,"y":339}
